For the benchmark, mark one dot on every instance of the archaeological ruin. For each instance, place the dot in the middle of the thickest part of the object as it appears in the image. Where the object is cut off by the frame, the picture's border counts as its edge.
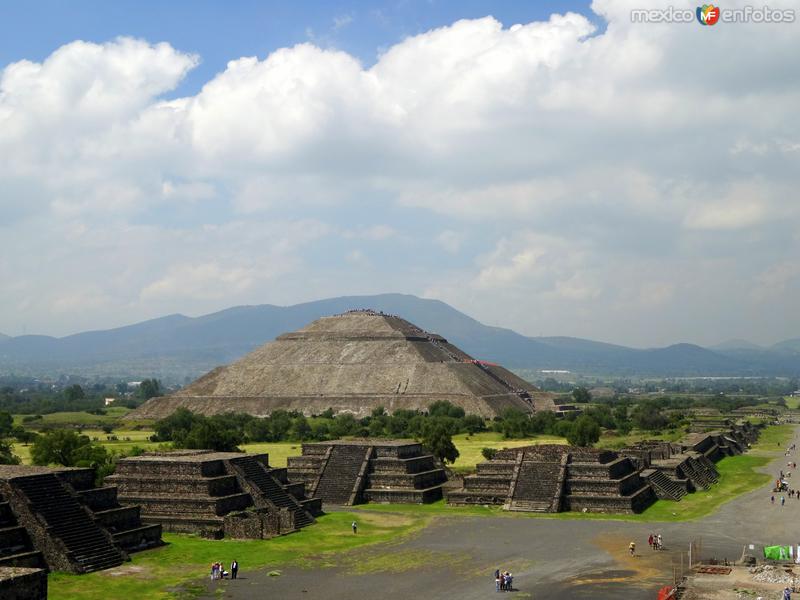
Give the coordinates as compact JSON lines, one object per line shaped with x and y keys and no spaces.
{"x":354,"y":362}
{"x":56,"y":518}
{"x":348,"y":472}
{"x":215,"y":494}
{"x":553,"y":478}
{"x":675,"y":469}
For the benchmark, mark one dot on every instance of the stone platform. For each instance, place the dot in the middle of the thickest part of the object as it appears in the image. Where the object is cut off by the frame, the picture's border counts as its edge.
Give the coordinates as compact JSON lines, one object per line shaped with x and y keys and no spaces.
{"x":553,"y":478}
{"x":347,"y":472}
{"x":194,"y":491}
{"x":56,"y":518}
{"x":20,"y":583}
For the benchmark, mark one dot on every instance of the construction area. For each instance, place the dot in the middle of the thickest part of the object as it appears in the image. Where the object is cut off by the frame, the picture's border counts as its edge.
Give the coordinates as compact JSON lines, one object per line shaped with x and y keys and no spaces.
{"x":354,"y":363}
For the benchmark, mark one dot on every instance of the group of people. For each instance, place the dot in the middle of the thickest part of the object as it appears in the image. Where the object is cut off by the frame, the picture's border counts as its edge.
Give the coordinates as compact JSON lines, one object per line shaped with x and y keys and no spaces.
{"x":503,"y":581}
{"x":218,"y":571}
{"x":655,"y":541}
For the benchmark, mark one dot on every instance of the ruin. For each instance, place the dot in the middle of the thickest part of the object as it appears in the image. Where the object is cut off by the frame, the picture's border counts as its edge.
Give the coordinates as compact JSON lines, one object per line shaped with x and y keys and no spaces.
{"x":675,"y":469}
{"x":56,"y":518}
{"x":348,"y":472}
{"x":21,"y":583}
{"x":554,"y":478}
{"x":354,"y":363}
{"x":215,"y":493}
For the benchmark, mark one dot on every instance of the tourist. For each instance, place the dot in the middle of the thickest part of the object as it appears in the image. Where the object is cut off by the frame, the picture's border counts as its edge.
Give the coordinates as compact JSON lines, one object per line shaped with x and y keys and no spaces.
{"x":783,"y":500}
{"x":354,"y":526}
{"x":772,"y":499}
{"x":234,"y":569}
{"x":509,"y":582}
{"x":787,"y":594}
{"x":213,"y":571}
{"x":497,"y":580}
{"x":632,"y":548}
{"x":659,"y":542}
{"x":650,"y":542}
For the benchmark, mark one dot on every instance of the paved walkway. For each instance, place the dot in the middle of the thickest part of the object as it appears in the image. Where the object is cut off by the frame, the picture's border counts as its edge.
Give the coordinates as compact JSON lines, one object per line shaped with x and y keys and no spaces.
{"x":549,"y":558}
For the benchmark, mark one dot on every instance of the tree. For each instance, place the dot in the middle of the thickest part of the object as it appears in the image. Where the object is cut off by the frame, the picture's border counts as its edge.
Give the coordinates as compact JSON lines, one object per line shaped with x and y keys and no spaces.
{"x":149,"y":388}
{"x":6,"y":456}
{"x":6,"y":423}
{"x":581,"y":395}
{"x":209,"y":434}
{"x":586,"y":432}
{"x":515,"y":424}
{"x":176,"y":426}
{"x":443,"y":408}
{"x":73,"y":393}
{"x":60,"y":446}
{"x":301,"y":430}
{"x":488,"y":453}
{"x":437,"y":439}
{"x":474,"y":423}
{"x":23,"y":436}
{"x":647,"y":416}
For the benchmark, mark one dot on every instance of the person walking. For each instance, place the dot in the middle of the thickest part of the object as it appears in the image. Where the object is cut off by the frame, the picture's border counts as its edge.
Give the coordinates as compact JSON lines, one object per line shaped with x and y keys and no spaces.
{"x":234,"y":568}
{"x":772,"y":499}
{"x":659,"y":542}
{"x":632,"y":548}
{"x":783,"y":500}
{"x":787,"y":594}
{"x":354,"y":525}
{"x":650,"y":541}
{"x":497,"y":580}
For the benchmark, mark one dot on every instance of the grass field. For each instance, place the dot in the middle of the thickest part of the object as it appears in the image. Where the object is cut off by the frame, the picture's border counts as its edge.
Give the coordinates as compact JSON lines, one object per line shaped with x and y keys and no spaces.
{"x":469,"y":447}
{"x":792,"y":402}
{"x":169,"y":571}
{"x":112,"y":416}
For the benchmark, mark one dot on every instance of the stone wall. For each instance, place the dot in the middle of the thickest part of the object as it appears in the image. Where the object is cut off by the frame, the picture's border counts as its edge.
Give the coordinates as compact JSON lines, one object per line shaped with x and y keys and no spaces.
{"x":18,"y":583}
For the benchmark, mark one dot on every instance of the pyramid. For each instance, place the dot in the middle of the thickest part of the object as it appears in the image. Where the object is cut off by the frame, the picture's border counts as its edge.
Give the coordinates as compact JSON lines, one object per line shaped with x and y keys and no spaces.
{"x":352,"y":362}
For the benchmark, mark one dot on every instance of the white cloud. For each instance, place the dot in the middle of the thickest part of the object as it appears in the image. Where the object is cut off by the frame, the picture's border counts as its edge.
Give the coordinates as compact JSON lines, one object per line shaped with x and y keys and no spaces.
{"x":546,"y":162}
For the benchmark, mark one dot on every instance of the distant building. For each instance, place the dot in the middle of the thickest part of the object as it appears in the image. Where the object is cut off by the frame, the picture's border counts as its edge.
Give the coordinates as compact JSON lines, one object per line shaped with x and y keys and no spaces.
{"x":109,"y":401}
{"x":132,"y":385}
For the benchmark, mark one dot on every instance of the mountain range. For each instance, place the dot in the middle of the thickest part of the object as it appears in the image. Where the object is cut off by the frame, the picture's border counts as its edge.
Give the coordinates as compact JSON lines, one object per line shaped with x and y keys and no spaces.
{"x":177,"y":348}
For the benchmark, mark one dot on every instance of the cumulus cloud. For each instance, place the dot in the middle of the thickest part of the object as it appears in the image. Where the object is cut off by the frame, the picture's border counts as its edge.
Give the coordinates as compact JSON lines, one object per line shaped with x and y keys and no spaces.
{"x":547,"y":160}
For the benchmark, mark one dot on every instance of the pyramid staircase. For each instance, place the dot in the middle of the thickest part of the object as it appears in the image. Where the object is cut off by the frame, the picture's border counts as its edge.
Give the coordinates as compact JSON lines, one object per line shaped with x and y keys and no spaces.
{"x":537,"y":485}
{"x":700,"y":476}
{"x":254,"y":471}
{"x":340,"y":477}
{"x":664,"y":487}
{"x":88,"y":548}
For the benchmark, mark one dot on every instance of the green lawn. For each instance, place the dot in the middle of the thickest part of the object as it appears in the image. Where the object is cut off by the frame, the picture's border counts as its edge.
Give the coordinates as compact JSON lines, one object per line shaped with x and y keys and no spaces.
{"x":792,"y":402}
{"x":174,"y":568}
{"x":614,"y":441}
{"x":112,"y":416}
{"x":278,"y":451}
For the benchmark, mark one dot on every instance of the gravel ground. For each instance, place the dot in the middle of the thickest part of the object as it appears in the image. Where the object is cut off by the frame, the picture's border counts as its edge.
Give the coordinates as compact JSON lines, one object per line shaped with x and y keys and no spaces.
{"x":456,"y":557}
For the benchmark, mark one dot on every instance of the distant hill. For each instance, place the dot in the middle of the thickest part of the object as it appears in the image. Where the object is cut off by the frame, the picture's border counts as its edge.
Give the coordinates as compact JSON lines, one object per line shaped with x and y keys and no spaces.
{"x":787,"y":347}
{"x":736,"y":345}
{"x":179,"y":348}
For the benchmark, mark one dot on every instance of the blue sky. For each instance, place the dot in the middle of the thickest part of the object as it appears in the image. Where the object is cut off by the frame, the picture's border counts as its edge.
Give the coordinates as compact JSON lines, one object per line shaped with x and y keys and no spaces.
{"x":219,"y":31}
{"x":555,"y":168}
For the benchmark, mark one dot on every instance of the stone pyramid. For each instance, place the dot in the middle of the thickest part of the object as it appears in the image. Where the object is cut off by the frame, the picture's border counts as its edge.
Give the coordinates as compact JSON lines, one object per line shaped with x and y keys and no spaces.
{"x":353,"y":362}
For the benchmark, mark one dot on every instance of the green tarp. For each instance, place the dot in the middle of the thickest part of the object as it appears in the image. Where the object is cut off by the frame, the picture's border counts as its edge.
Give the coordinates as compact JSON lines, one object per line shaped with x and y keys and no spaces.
{"x":777,"y":552}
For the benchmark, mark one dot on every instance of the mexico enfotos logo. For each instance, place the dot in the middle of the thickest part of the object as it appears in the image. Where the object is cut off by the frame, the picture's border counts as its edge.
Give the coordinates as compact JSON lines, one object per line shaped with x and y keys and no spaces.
{"x":710,"y":14}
